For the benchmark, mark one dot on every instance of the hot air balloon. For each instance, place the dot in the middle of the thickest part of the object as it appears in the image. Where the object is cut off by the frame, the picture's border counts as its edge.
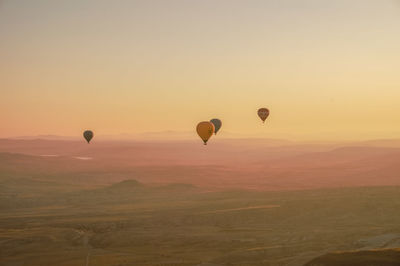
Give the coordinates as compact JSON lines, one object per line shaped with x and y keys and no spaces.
{"x":263,"y":113}
{"x":205,"y":130}
{"x":88,"y":135}
{"x":217,"y":124}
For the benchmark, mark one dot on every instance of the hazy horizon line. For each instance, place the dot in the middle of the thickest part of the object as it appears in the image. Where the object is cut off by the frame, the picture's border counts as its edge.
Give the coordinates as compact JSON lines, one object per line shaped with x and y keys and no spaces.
{"x":184,"y":136}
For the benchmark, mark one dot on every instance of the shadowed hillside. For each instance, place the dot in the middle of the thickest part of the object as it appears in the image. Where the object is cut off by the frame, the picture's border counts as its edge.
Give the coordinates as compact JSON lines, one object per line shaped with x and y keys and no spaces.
{"x":383,"y":257}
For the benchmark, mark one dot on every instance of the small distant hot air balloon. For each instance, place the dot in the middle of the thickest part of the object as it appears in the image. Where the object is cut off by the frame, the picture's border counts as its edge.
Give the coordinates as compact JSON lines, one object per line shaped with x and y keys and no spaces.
{"x":205,"y":130}
{"x":88,"y":135}
{"x":217,"y":124}
{"x":263,"y":113}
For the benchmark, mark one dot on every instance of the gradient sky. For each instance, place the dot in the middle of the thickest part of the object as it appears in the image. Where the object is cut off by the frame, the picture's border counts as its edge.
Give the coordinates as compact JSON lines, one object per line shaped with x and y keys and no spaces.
{"x":328,"y":70}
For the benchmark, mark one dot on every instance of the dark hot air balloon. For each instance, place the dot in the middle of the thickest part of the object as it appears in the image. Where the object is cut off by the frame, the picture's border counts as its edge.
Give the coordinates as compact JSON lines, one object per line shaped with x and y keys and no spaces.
{"x":263,"y":113}
{"x":217,"y":124}
{"x":88,"y":135}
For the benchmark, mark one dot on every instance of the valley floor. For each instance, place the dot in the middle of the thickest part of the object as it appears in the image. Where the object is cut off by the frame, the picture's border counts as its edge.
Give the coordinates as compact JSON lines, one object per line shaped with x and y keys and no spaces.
{"x":133,"y":224}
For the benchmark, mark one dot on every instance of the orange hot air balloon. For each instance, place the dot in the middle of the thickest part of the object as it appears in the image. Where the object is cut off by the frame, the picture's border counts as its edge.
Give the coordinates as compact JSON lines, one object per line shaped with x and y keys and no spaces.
{"x":205,"y":130}
{"x":263,"y":113}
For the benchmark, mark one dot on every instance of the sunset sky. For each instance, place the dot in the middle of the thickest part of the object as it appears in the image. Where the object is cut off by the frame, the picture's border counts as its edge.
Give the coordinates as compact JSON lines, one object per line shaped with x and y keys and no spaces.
{"x":327,"y":70}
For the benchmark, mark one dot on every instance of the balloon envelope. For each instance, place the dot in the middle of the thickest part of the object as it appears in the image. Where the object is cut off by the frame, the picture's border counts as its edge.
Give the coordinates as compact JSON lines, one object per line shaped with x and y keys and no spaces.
{"x":205,"y":130}
{"x":217,"y":124}
{"x":263,"y":113}
{"x":88,"y":135}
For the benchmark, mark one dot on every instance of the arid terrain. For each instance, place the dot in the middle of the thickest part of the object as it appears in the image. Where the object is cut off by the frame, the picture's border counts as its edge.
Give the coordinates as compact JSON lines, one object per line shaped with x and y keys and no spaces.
{"x":232,"y":202}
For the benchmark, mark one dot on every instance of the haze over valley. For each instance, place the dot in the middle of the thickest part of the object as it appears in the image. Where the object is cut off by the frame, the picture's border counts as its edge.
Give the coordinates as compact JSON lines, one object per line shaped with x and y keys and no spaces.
{"x":235,"y":202}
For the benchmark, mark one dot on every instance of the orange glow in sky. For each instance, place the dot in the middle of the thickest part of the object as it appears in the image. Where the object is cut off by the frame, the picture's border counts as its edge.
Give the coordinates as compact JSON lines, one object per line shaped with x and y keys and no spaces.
{"x":327,"y":70}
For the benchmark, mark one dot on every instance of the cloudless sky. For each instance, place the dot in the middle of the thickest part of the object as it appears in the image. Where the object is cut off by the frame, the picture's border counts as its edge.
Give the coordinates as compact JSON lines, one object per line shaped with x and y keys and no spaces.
{"x":326,"y":69}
